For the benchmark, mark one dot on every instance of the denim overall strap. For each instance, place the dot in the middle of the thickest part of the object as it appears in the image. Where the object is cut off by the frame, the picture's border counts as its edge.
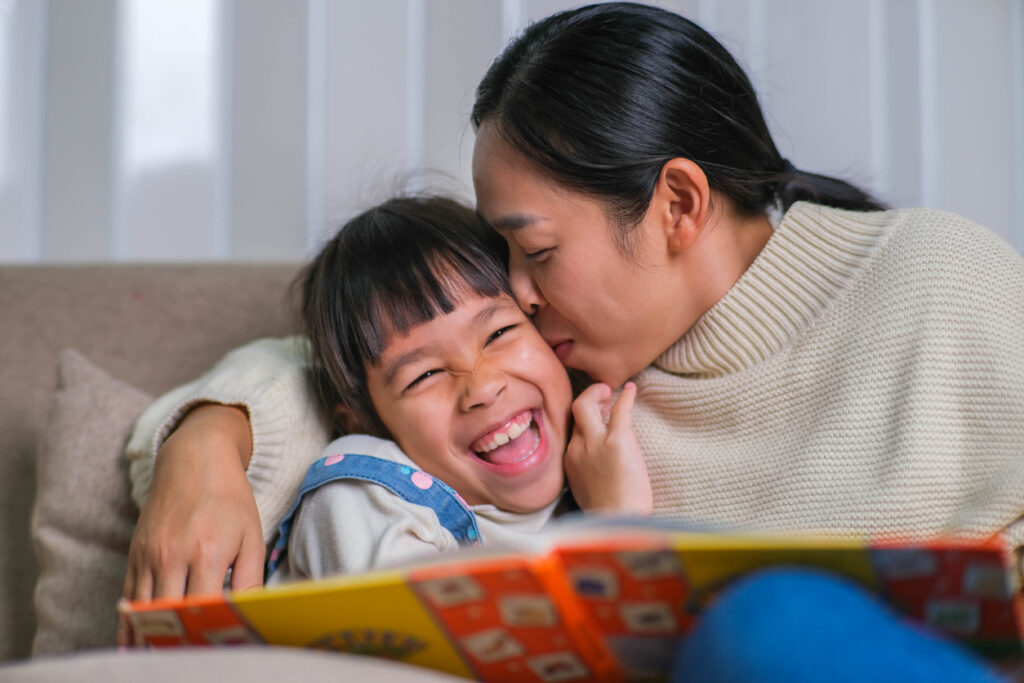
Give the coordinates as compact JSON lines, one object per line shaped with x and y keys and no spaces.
{"x":410,"y":484}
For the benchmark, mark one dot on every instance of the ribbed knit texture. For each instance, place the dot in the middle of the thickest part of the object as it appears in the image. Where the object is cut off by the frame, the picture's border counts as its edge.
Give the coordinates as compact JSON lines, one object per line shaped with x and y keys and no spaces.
{"x":865,"y":376}
{"x":268,"y":378}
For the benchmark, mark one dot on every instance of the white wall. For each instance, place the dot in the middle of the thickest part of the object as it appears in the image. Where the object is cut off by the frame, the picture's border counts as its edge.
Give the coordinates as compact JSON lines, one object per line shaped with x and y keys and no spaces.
{"x":298,"y":112}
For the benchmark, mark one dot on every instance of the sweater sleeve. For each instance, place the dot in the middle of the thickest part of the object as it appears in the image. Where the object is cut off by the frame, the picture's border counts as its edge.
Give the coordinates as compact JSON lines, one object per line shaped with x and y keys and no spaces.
{"x":268,"y":378}
{"x":351,"y":526}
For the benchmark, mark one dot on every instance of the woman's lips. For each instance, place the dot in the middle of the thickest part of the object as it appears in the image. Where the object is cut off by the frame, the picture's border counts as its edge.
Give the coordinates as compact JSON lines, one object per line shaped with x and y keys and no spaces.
{"x":562,"y":349}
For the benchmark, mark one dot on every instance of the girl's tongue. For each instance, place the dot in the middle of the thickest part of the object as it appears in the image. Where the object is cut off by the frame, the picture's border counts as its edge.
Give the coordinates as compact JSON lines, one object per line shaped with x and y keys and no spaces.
{"x":510,"y":444}
{"x":518,"y":449}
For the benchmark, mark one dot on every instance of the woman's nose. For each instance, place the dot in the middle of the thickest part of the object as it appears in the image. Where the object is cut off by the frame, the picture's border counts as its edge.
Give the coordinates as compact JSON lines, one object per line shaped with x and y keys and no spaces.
{"x":482,"y":386}
{"x":524,"y":289}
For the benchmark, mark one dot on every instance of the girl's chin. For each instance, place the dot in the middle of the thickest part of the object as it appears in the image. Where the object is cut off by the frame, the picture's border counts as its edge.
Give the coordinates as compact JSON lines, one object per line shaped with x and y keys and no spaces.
{"x":533,"y":501}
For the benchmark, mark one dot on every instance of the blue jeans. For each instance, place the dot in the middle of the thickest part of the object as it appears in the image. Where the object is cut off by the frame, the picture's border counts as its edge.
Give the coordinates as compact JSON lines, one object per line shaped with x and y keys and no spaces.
{"x":803,"y":625}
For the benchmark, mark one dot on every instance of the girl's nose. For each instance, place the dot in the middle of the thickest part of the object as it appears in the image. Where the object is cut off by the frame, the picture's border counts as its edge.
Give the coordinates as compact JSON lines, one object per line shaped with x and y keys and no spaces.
{"x":482,"y":386}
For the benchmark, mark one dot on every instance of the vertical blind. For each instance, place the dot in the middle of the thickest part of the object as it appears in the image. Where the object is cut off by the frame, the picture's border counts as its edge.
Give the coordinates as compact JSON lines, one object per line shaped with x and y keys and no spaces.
{"x":169,"y":130}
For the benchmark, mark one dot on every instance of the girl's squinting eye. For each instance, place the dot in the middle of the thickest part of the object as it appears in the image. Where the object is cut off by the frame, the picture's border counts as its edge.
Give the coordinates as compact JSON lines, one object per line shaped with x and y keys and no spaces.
{"x":425,"y":375}
{"x":500,"y":331}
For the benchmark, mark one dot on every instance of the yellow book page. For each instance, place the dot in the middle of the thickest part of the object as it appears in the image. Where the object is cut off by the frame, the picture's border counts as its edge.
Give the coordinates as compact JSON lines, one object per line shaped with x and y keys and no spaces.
{"x":709,"y":560}
{"x":376,"y":615}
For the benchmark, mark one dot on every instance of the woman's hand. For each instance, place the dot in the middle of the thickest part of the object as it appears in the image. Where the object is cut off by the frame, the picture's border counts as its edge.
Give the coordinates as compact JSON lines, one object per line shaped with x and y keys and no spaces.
{"x":603,"y":462}
{"x":200,"y":516}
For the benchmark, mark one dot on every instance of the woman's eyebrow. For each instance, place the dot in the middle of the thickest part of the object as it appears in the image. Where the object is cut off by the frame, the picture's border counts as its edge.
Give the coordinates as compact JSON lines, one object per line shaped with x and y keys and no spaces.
{"x":515,"y":221}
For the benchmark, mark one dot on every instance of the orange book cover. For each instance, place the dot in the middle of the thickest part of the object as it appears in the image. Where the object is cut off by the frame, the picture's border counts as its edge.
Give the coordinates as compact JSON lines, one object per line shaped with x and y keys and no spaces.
{"x":600,"y":601}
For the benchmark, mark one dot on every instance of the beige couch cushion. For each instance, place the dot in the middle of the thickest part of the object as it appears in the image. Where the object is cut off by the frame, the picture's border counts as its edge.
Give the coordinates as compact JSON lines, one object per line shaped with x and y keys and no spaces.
{"x":83,"y":516}
{"x":152,"y":326}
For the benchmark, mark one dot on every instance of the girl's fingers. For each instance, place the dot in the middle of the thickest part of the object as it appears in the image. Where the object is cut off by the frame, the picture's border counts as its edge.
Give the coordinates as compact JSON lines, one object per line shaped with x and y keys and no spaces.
{"x":621,"y":416}
{"x":586,"y":409}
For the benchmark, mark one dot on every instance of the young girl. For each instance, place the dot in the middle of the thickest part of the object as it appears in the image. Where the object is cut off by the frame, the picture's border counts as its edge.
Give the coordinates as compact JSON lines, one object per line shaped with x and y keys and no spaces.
{"x":461,"y":409}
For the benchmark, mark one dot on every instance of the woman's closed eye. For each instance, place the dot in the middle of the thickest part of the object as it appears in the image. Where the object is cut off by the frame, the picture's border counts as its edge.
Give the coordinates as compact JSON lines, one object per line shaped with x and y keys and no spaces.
{"x":537,"y":255}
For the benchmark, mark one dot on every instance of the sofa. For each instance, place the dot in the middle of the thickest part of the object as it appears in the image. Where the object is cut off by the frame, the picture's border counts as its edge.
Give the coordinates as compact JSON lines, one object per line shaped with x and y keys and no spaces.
{"x":83,"y":349}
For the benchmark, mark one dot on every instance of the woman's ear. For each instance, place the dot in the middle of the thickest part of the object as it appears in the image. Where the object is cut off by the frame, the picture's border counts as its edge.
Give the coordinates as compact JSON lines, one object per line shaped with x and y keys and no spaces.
{"x":680,"y":202}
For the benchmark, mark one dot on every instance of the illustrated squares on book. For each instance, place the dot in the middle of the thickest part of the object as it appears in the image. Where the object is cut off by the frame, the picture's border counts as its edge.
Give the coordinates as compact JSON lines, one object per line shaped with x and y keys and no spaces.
{"x":649,"y":564}
{"x":648,"y":617}
{"x":452,"y":590}
{"x":232,"y":635}
{"x":558,"y":666}
{"x":898,"y":564}
{"x":986,"y":580}
{"x":493,"y":645}
{"x":526,"y":611}
{"x":961,"y":617}
{"x":595,"y":582}
{"x":158,"y":623}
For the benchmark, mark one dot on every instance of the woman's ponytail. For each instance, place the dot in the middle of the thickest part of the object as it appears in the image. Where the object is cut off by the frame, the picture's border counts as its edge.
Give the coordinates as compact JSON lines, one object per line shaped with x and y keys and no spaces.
{"x":795,"y":185}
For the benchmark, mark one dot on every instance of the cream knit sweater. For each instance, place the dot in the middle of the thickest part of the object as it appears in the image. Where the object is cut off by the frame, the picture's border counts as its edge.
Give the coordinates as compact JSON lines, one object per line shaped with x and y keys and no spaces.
{"x":864,"y":376}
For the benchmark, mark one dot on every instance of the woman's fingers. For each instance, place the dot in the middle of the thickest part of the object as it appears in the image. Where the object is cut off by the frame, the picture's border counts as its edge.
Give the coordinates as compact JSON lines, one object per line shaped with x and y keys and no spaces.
{"x":248,"y":568}
{"x":143,"y":587}
{"x":128,"y":589}
{"x":205,"y":578}
{"x":200,"y":516}
{"x":169,"y":582}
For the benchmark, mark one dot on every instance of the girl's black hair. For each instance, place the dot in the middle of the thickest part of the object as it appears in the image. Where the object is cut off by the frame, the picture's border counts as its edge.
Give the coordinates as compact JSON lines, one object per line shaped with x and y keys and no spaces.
{"x":602,"y":96}
{"x":394,"y":266}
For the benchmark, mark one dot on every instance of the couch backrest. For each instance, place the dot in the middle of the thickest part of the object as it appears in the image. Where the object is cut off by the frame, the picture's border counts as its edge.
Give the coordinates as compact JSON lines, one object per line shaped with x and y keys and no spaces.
{"x":152,"y":326}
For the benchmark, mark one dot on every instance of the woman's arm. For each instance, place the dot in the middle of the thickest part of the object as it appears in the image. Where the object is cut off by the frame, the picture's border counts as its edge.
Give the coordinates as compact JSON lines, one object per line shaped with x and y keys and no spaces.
{"x":603,"y":462}
{"x":200,"y":516}
{"x":213,"y":481}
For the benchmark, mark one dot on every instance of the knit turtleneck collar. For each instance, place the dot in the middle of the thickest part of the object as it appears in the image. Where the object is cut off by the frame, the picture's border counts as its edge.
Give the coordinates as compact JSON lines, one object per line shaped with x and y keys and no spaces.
{"x":811,"y":257}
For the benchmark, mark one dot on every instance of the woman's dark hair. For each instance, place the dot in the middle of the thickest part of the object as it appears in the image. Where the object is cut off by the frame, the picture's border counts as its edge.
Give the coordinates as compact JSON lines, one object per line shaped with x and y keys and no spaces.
{"x":394,"y":266}
{"x":602,"y":96}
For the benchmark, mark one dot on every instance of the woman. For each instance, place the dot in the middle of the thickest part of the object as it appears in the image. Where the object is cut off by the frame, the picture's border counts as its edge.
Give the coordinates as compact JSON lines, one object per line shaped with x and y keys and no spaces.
{"x":805,"y":361}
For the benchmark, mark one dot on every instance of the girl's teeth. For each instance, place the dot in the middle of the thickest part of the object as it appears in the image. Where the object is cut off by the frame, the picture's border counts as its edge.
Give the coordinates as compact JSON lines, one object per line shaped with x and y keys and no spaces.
{"x":511,"y":433}
{"x":515,"y":430}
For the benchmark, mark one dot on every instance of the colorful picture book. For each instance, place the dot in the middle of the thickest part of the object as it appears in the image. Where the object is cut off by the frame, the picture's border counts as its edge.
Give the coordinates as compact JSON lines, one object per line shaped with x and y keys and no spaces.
{"x":604,"y":603}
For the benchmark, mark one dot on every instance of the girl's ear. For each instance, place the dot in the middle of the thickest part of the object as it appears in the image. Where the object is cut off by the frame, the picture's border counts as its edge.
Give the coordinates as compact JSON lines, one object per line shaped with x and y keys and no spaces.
{"x":680,"y":202}
{"x":345,"y":417}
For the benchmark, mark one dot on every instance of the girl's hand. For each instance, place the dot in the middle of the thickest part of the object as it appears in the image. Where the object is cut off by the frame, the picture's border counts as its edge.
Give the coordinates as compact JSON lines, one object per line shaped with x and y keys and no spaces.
{"x":200,"y":516}
{"x":603,"y":462}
